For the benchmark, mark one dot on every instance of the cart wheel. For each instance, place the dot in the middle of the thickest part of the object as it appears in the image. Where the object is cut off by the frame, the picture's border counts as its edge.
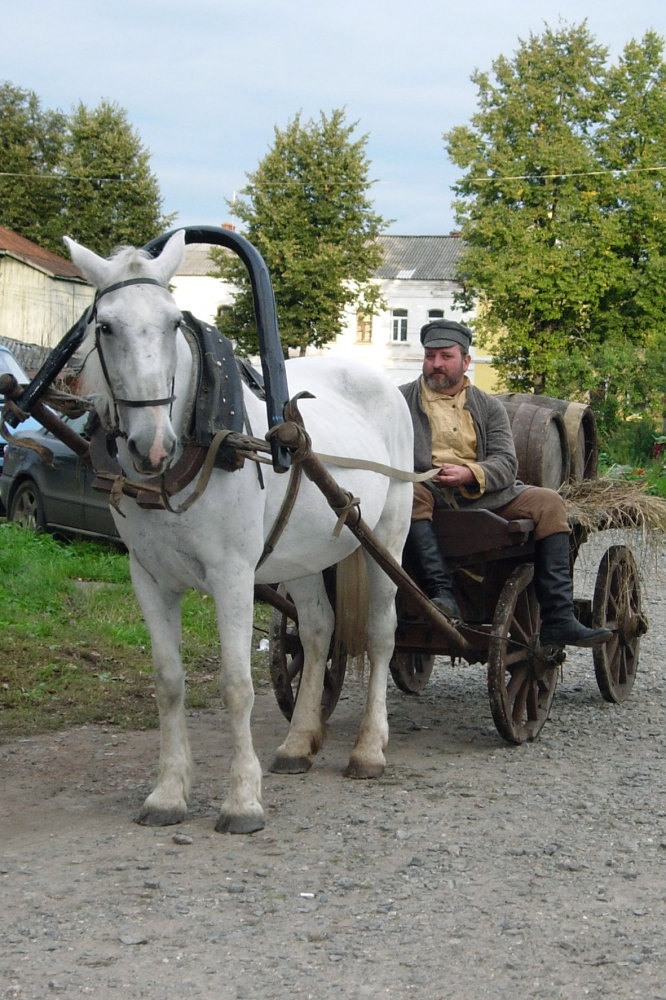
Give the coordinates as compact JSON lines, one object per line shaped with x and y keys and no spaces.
{"x":521,"y":679}
{"x":617,"y":605}
{"x":411,"y":671}
{"x":286,"y":667}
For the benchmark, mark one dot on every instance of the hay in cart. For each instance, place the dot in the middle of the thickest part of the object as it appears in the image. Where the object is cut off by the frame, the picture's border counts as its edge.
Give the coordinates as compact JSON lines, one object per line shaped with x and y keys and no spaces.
{"x":605,"y":504}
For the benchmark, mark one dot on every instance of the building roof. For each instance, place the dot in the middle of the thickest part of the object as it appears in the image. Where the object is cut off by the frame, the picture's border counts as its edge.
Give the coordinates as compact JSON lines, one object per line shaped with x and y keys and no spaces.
{"x":30,"y":356}
{"x":420,"y":258}
{"x":415,"y":258}
{"x":196,"y":260}
{"x":13,"y":245}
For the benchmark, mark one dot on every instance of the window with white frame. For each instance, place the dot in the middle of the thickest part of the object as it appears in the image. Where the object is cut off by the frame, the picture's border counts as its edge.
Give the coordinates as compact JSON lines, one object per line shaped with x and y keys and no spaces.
{"x":435,"y":314}
{"x":399,"y":326}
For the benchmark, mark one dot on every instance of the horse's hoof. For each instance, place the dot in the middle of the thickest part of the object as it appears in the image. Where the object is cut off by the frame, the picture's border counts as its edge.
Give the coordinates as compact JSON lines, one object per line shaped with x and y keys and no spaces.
{"x":239,"y":824}
{"x":355,"y":769}
{"x":161,"y":817}
{"x":290,"y":765}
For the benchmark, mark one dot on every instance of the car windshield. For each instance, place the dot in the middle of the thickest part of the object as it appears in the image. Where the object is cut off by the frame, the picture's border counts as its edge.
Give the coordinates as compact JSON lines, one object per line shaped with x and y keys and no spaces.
{"x":8,"y":363}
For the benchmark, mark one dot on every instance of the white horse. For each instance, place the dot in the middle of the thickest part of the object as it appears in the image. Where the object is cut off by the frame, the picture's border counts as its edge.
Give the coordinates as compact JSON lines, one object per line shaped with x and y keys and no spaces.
{"x":142,"y":357}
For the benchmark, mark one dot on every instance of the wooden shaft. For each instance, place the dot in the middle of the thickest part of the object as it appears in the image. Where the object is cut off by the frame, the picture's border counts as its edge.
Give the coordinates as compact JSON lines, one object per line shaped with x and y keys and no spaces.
{"x":292,"y":437}
{"x":10,"y":388}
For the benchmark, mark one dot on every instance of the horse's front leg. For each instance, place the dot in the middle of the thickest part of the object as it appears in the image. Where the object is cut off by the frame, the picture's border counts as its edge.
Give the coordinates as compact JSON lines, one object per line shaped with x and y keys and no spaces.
{"x":316,"y":621}
{"x":241,"y":811}
{"x":167,"y":803}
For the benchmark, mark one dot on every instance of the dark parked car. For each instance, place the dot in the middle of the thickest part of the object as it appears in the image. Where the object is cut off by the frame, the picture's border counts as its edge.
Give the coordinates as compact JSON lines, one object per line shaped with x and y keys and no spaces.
{"x":9,"y":364}
{"x":56,"y":498}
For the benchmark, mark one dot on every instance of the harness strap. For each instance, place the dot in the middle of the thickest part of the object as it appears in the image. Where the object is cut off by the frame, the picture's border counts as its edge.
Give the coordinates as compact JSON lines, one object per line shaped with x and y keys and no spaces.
{"x":123,"y":284}
{"x":284,"y":513}
{"x":384,"y":470}
{"x":139,"y":403}
{"x":204,"y":476}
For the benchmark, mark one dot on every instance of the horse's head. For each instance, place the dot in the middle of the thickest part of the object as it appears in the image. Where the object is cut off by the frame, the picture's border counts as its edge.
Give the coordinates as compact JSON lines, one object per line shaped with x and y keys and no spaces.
{"x":136,"y":323}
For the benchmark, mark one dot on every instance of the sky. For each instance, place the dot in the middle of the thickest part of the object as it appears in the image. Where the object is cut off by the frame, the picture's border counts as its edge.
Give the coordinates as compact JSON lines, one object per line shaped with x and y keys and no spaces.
{"x":204,"y":83}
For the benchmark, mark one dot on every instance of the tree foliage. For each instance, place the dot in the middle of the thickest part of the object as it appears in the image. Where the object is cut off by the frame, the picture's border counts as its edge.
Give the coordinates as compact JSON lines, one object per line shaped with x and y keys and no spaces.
{"x":561,"y":207}
{"x":85,"y":175}
{"x":111,"y":197}
{"x":31,"y":142}
{"x":306,"y":209}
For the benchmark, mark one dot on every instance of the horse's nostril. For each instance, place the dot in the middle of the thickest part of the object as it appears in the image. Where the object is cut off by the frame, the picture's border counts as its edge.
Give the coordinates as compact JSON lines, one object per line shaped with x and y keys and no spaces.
{"x":153,"y":459}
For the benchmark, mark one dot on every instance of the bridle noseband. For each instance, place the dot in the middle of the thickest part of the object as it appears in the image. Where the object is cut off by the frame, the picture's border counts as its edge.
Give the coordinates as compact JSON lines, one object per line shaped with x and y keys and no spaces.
{"x":136,"y":403}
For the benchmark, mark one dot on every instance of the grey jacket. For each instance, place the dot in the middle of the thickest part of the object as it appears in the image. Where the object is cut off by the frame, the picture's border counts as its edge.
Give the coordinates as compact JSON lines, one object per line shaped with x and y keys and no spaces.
{"x":496,"y":452}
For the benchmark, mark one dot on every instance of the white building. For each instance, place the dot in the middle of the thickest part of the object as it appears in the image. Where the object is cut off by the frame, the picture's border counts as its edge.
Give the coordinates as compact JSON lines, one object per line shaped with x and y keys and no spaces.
{"x":195,"y":287}
{"x":41,"y":293}
{"x":417,"y":281}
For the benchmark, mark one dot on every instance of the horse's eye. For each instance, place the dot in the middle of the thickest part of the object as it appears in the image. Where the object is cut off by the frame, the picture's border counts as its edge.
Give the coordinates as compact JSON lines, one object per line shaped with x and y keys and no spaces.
{"x":105,"y":329}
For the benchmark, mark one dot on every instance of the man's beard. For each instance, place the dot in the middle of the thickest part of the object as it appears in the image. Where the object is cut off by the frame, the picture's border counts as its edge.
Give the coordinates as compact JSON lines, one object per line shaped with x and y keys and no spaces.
{"x":439,"y":382}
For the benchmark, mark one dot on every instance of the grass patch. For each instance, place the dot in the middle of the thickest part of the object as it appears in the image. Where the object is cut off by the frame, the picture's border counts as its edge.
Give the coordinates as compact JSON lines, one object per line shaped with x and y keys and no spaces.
{"x":75,"y":648}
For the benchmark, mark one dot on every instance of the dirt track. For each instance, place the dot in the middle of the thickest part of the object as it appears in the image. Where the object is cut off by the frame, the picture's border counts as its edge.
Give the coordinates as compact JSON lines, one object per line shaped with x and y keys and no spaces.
{"x":472,"y":870}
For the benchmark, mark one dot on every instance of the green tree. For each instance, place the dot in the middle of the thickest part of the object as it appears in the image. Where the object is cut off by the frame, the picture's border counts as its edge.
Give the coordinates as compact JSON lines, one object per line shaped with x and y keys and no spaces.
{"x":631,"y":147}
{"x":111,"y":196}
{"x":30,"y":146}
{"x":86,"y":175}
{"x":306,"y":209}
{"x":559,"y":208}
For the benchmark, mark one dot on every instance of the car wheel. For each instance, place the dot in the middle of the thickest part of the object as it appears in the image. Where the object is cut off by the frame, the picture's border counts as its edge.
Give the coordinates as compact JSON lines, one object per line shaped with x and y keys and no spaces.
{"x":26,"y":507}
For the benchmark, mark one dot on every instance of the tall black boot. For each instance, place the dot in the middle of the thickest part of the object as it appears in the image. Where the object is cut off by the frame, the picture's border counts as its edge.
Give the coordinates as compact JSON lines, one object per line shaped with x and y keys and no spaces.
{"x":554,"y":590}
{"x":432,"y":571}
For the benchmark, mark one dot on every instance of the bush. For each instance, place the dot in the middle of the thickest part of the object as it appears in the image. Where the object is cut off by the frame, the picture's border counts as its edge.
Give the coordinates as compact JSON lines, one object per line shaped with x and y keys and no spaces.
{"x":631,"y":443}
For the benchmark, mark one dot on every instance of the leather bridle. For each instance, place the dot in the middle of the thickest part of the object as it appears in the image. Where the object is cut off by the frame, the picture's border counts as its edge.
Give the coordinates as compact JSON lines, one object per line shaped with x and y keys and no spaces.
{"x":136,"y":403}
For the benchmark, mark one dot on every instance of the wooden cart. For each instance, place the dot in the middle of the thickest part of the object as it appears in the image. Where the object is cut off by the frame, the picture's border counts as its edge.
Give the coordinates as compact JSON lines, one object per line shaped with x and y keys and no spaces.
{"x":493,"y":564}
{"x":493,"y":559}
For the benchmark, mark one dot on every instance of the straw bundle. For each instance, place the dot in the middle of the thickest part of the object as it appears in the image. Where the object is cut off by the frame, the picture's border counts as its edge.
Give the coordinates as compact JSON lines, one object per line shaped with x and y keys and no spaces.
{"x":600,"y":504}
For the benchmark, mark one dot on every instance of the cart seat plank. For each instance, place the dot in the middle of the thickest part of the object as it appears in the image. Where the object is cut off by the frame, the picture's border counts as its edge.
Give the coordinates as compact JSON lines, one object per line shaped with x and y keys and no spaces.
{"x":470,"y":532}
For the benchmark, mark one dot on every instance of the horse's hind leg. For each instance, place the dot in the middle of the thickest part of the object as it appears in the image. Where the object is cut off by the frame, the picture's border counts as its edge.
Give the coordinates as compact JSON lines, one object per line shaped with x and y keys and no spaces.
{"x":167,"y":803}
{"x":367,"y":757}
{"x":241,"y":811}
{"x":315,"y":627}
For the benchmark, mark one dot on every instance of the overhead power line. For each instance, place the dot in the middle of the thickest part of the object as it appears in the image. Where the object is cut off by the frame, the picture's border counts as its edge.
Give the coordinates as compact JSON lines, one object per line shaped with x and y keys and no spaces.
{"x":570,"y":173}
{"x":65,"y":177}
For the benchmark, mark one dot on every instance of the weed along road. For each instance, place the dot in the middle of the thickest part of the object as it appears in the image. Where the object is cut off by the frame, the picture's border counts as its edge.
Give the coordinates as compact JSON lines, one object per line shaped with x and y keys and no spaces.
{"x":473,"y":869}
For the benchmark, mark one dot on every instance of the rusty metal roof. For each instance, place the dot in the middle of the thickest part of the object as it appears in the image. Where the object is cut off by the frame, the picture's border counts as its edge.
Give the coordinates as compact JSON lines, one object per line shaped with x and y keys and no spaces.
{"x":13,"y":245}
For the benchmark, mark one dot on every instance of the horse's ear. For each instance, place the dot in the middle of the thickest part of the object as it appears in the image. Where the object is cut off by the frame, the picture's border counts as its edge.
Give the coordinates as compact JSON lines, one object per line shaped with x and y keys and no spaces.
{"x":171,"y":257}
{"x":92,"y":267}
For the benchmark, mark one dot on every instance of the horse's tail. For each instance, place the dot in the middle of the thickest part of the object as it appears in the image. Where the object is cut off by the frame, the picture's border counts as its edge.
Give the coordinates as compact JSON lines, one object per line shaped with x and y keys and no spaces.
{"x":352,"y":600}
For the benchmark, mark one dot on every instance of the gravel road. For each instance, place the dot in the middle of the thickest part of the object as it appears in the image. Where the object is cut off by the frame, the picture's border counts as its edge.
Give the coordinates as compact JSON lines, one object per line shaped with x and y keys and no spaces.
{"x":472,"y":870}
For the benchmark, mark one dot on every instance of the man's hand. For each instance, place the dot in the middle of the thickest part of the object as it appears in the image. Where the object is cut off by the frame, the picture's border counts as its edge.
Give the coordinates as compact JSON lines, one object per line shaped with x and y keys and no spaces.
{"x":454,"y":475}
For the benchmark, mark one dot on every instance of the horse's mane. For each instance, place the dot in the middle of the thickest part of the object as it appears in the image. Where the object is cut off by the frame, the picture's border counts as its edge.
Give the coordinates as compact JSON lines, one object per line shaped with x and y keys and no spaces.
{"x":130,"y":259}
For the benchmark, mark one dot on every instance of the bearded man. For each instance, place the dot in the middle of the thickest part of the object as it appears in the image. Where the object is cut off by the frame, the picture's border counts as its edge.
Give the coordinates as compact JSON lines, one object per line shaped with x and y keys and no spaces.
{"x":465,"y":434}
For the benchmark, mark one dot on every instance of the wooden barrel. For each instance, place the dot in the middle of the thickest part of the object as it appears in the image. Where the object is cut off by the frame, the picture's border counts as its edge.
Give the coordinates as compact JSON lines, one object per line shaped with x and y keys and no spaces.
{"x":581,"y":428}
{"x":542,"y":446}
